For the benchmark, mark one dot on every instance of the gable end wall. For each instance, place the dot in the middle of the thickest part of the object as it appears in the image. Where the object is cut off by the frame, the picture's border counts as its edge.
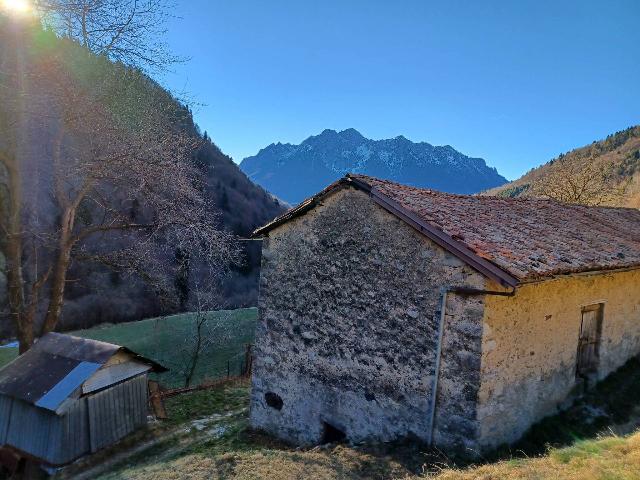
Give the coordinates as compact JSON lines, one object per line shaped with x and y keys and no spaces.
{"x":349,"y":309}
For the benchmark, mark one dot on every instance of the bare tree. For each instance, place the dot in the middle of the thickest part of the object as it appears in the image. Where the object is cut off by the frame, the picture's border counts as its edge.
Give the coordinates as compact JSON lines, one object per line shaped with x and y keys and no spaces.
{"x":11,"y":225}
{"x":127,"y":31}
{"x":124,"y":188}
{"x":206,"y":334}
{"x":583,"y":181}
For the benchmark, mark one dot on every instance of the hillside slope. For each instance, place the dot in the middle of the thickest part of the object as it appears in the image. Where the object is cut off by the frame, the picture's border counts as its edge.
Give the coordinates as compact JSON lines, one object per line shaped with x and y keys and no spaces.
{"x":243,"y":207}
{"x":619,"y":154}
{"x":294,"y":172}
{"x":208,"y":436}
{"x":103,"y":292}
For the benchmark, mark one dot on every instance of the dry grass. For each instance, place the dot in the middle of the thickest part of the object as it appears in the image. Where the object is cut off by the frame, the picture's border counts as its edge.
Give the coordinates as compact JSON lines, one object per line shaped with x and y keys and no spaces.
{"x":602,"y":459}
{"x":337,"y":463}
{"x":208,"y":438}
{"x":600,"y":153}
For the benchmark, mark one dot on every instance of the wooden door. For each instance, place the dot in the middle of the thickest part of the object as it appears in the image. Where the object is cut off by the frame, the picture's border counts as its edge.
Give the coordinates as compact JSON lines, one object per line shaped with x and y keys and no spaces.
{"x":589,"y":341}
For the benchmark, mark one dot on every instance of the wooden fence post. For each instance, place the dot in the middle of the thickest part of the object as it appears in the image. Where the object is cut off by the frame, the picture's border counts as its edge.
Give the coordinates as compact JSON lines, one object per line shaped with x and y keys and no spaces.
{"x":156,"y":400}
{"x":248,"y":360}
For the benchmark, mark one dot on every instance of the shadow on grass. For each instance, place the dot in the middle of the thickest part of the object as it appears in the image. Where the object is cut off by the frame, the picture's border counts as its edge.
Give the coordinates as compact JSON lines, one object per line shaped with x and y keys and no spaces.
{"x":613,"y":406}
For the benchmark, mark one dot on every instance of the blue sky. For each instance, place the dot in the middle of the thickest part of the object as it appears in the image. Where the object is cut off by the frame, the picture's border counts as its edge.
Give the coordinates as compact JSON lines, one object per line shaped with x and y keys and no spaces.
{"x":514,"y":82}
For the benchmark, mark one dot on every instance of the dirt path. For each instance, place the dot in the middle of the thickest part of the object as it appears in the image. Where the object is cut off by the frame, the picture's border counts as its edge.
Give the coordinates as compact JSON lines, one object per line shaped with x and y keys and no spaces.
{"x":184,"y":436}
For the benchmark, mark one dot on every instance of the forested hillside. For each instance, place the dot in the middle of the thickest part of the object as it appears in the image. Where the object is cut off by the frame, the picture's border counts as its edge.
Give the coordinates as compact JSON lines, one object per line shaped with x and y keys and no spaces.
{"x":607,"y":172}
{"x":243,"y":206}
{"x":104,"y":141}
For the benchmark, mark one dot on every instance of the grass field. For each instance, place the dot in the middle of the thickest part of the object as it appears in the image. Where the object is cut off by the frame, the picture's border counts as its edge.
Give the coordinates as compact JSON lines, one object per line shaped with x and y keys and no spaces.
{"x":162,"y":339}
{"x":211,"y":439}
{"x":208,"y":436}
{"x":7,"y":354}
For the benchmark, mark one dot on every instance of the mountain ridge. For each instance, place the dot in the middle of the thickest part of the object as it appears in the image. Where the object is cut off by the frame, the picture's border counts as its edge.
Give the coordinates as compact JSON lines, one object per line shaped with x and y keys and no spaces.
{"x":618,"y":155}
{"x":323,"y":158}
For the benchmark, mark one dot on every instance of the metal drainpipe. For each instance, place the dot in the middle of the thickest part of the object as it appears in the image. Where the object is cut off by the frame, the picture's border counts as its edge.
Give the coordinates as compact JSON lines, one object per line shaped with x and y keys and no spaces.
{"x":436,"y":375}
{"x":443,"y":313}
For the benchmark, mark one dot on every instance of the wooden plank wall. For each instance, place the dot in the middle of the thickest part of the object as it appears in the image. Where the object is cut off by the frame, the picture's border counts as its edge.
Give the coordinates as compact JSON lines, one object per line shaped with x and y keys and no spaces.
{"x":117,"y":411}
{"x":70,"y":439}
{"x":44,"y":435}
{"x":93,"y":422}
{"x":31,"y":429}
{"x":5,"y":414}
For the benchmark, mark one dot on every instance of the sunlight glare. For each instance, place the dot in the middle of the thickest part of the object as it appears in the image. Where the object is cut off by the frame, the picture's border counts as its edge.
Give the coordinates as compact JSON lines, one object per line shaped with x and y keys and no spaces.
{"x":16,"y":6}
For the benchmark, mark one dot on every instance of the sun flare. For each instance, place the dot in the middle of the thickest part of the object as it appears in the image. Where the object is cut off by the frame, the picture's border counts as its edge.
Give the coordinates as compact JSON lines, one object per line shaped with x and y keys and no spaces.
{"x":16,"y":6}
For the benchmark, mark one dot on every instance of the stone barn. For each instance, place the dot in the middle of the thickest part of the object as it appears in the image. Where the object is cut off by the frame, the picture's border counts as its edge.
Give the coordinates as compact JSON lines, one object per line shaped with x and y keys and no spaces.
{"x":388,"y":311}
{"x":69,"y":396}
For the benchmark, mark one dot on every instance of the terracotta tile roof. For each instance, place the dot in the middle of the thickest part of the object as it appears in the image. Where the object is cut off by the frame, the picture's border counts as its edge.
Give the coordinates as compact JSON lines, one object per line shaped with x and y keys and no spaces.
{"x":527,"y":239}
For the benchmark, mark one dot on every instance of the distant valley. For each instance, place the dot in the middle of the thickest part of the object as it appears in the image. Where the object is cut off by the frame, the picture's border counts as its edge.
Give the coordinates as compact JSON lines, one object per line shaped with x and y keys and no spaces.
{"x":294,"y":172}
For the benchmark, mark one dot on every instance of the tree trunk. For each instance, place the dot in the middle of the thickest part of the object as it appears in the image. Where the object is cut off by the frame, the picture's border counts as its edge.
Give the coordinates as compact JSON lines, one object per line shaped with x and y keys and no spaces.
{"x":59,"y":273}
{"x":25,"y":332}
{"x":15,"y":284}
{"x":195,"y":356}
{"x":13,"y":253}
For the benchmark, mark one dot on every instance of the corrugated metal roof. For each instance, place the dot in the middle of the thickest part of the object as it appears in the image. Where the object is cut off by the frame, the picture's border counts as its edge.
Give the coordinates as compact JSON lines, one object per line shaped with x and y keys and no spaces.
{"x":55,"y":367}
{"x":67,"y":385}
{"x":112,"y":374}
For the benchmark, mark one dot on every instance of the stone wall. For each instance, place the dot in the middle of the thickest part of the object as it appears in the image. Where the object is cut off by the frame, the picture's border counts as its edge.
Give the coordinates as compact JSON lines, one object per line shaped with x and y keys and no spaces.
{"x":530,"y":344}
{"x":349,"y":308}
{"x":459,"y":381}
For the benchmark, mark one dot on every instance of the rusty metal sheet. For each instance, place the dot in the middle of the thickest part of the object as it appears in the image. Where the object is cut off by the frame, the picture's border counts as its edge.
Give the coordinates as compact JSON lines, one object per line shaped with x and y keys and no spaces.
{"x":33,"y":374}
{"x":77,"y":348}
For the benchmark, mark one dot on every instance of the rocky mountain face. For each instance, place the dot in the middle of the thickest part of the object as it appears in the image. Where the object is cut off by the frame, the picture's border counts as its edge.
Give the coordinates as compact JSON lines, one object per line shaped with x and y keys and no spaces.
{"x":294,"y":172}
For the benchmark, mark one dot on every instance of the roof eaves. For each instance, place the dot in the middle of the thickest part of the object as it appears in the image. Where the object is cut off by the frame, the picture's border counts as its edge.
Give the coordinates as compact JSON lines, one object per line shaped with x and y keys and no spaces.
{"x":577,"y":272}
{"x":157,"y":367}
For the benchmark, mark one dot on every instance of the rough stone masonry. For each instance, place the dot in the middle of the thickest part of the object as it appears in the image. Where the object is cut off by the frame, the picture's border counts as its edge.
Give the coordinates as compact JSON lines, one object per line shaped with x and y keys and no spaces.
{"x":349,"y":311}
{"x":353,"y":339}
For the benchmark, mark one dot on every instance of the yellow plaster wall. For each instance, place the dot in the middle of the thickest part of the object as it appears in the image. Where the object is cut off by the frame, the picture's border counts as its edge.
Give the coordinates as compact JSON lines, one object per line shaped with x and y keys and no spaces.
{"x":530,"y":345}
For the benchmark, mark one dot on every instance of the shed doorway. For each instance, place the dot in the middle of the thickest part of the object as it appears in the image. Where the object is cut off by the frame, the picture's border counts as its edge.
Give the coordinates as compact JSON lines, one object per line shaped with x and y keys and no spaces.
{"x":589,"y":341}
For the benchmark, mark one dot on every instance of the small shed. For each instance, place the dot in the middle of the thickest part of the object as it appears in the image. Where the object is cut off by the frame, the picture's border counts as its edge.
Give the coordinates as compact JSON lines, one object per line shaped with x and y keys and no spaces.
{"x":69,"y":396}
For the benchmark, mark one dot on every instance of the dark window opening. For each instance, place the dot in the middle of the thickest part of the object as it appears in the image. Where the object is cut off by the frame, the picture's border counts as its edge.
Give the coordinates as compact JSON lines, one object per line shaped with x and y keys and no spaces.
{"x":273,"y":400}
{"x":331,"y":434}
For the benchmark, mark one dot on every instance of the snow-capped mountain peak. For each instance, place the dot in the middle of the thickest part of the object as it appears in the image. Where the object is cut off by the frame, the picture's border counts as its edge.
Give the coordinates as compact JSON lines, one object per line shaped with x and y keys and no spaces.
{"x":294,"y":172}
